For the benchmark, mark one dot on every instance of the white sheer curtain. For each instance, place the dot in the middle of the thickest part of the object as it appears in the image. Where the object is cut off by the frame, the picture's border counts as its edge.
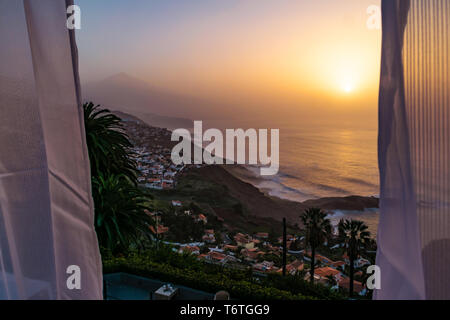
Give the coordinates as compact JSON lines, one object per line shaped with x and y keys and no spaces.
{"x":46,"y":209}
{"x":414,"y":151}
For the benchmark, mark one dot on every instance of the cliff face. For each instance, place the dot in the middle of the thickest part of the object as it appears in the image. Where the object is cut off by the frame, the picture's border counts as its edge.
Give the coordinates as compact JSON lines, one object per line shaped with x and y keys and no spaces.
{"x":260,"y":205}
{"x":255,"y":202}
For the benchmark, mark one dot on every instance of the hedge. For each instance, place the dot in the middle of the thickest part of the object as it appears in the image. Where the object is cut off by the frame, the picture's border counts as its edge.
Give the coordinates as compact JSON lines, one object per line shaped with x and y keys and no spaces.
{"x":141,"y":265}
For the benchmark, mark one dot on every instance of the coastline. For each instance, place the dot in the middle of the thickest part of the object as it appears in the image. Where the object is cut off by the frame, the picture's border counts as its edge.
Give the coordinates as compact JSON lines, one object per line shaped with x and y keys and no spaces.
{"x":360,"y":203}
{"x":261,"y":205}
{"x":351,"y":207}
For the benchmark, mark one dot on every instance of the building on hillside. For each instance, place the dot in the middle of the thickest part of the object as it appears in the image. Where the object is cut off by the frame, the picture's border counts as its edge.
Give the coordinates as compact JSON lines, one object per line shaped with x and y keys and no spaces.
{"x":160,"y":230}
{"x":338,"y":265}
{"x":230,"y":247}
{"x":289,"y":238}
{"x":245,"y":241}
{"x":190,"y":249}
{"x":265,"y":266}
{"x":358,"y":287}
{"x":209,"y":238}
{"x":293,"y":268}
{"x":324,"y":260}
{"x":177,"y":203}
{"x":217,"y":257}
{"x":325,"y":272}
{"x":156,"y":216}
{"x":262,"y":235}
{"x":201,"y":218}
{"x":251,"y":254}
{"x":318,"y":258}
{"x":202,"y":256}
{"x":358,"y":263}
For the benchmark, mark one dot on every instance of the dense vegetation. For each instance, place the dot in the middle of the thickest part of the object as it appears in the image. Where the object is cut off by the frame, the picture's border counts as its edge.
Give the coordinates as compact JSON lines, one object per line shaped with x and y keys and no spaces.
{"x":120,"y":219}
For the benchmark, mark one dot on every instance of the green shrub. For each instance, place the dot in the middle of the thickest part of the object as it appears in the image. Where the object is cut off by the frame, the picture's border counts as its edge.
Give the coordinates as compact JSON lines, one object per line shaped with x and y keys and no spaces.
{"x":185,"y":269}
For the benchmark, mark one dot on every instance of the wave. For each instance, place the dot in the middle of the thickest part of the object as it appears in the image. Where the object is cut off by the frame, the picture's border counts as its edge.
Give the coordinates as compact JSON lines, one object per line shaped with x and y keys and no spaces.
{"x":370,"y":216}
{"x":296,"y":188}
{"x":360,"y":182}
{"x":273,"y":185}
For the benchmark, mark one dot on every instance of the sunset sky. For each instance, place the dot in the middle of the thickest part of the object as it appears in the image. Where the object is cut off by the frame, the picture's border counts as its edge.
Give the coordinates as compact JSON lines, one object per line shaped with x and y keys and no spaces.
{"x":289,"y":56}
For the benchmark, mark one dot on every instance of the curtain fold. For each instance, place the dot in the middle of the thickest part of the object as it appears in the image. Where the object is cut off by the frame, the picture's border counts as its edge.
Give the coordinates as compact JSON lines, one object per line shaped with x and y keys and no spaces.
{"x":46,"y":208}
{"x":414,"y":155}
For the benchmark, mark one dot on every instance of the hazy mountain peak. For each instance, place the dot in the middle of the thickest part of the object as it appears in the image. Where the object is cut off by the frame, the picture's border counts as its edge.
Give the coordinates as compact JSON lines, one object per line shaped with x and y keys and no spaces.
{"x":125,"y":92}
{"x":124,"y":79}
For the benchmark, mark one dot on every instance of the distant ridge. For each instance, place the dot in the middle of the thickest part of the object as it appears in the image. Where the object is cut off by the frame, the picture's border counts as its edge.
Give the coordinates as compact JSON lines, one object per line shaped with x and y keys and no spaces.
{"x":123,"y":92}
{"x":125,"y":80}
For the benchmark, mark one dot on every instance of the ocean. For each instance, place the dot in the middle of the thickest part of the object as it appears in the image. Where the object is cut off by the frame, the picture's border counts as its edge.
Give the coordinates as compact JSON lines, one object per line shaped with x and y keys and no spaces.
{"x":318,"y":162}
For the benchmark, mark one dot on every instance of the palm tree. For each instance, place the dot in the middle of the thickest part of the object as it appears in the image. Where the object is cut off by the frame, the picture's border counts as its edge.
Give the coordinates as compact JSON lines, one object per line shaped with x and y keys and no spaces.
{"x":120,"y":218}
{"x":317,"y":231}
{"x":108,"y":145}
{"x":355,"y":235}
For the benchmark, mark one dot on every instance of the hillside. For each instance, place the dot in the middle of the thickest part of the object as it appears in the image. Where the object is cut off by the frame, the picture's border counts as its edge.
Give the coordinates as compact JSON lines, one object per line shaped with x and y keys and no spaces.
{"x":259,"y":205}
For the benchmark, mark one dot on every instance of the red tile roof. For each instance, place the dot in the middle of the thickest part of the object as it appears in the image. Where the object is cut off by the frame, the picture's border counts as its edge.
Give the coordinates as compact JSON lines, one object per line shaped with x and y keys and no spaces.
{"x":357,"y":286}
{"x":262,"y":235}
{"x":326,"y":271}
{"x":296,"y":265}
{"x":338,"y":263}
{"x":216,"y":255}
{"x":161,"y":229}
{"x":190,"y":249}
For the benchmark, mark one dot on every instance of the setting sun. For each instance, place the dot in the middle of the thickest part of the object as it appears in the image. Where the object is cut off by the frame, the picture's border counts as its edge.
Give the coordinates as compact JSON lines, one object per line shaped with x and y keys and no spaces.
{"x":347,"y":87}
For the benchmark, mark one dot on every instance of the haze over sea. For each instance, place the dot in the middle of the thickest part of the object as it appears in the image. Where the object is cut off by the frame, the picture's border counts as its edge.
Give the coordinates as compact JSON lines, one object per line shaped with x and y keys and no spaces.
{"x":322,"y":160}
